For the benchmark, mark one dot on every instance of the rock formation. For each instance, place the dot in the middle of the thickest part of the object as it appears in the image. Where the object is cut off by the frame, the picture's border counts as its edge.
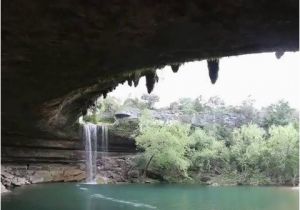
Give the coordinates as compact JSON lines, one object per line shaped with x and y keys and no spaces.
{"x":115,"y":168}
{"x":213,"y":69}
{"x":58,"y":57}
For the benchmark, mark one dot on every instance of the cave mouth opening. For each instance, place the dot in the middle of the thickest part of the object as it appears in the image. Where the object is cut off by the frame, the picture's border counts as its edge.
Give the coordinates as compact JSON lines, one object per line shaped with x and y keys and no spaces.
{"x":192,"y":123}
{"x":262,"y":78}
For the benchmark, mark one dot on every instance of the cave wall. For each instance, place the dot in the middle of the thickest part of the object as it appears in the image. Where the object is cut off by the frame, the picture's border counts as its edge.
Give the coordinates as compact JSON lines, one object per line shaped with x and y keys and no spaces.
{"x":28,"y":150}
{"x":118,"y":168}
{"x":59,"y":56}
{"x":29,"y":160}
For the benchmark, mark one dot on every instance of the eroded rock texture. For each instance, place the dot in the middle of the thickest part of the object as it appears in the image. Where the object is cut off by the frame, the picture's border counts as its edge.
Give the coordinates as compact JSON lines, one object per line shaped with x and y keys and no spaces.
{"x":110,"y":169}
{"x":59,"y":56}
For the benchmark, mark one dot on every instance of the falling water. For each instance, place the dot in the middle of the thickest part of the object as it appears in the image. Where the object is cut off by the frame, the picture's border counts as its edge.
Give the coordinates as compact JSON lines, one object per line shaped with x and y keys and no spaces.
{"x":104,"y":139}
{"x":90,"y":137}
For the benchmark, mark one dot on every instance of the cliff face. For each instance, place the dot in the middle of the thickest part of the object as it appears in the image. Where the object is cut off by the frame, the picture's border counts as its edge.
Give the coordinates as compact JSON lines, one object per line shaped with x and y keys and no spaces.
{"x":112,"y":168}
{"x":22,"y":149}
{"x":29,"y":160}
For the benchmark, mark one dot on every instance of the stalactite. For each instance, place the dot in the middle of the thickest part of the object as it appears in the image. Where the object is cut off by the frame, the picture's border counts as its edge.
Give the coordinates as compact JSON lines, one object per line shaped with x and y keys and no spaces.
{"x":89,"y":103}
{"x":110,"y":89}
{"x":213,"y":69}
{"x":175,"y":67}
{"x":156,"y":78}
{"x":83,"y":112}
{"x":150,"y":80}
{"x":105,"y":93}
{"x":136,"y":82}
{"x":279,"y":54}
{"x":136,"y":79}
{"x":129,"y":81}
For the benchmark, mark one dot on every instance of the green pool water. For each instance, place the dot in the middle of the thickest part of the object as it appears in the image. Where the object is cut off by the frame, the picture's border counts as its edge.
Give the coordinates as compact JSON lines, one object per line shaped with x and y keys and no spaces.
{"x":70,"y":196}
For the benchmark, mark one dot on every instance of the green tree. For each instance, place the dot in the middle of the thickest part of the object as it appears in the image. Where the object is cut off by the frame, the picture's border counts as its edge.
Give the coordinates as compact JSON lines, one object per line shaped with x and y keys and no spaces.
{"x":282,"y":155}
{"x":247,"y":146}
{"x":248,"y":111}
{"x":206,"y":153}
{"x":150,"y":99}
{"x":279,"y":113}
{"x":92,"y":116}
{"x":199,"y":104}
{"x":134,"y":103}
{"x":103,"y":110}
{"x":186,"y":105}
{"x":164,"y":146}
{"x":215,"y":102}
{"x":109,"y":104}
{"x":174,"y":106}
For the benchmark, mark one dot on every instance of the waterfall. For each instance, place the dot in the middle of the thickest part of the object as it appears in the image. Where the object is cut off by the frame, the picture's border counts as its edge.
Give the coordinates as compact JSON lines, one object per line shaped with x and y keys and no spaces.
{"x":90,"y":137}
{"x":104,"y":139}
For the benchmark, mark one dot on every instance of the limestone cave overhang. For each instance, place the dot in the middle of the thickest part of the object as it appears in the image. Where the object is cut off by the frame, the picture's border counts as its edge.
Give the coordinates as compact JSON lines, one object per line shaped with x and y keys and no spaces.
{"x":59,"y":56}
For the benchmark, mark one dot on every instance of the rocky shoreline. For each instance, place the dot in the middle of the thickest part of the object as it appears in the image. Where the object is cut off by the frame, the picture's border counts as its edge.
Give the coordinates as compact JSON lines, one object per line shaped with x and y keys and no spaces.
{"x":110,"y":169}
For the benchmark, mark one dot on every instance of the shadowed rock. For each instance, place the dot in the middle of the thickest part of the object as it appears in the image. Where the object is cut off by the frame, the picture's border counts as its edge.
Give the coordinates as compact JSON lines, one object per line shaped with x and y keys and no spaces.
{"x":279,"y":54}
{"x":213,"y":69}
{"x":58,"y":54}
{"x":151,"y":78}
{"x":175,"y":68}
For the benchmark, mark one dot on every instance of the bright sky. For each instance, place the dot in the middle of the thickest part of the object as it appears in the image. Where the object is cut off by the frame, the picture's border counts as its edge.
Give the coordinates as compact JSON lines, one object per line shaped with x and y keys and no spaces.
{"x":263,"y":76}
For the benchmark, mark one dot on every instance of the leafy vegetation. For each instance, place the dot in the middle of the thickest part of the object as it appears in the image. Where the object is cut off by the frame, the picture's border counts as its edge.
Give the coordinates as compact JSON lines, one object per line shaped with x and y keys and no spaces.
{"x":226,"y":145}
{"x":252,"y":158}
{"x":165,"y":146}
{"x":103,"y":111}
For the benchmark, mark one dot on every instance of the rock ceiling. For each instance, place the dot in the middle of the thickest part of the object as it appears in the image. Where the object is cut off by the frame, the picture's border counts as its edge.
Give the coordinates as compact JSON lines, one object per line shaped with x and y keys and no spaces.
{"x":59,"y":56}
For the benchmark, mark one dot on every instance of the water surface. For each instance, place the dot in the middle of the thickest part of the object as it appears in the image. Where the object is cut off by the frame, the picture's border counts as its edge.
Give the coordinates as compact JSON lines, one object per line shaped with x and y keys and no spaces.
{"x":70,"y":196}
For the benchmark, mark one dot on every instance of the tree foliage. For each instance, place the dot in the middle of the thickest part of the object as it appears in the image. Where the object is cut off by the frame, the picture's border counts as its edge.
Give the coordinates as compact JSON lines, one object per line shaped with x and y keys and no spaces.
{"x":260,"y":147}
{"x":207,"y":153}
{"x":150,"y":99}
{"x":251,"y":158}
{"x":279,"y":113}
{"x":282,"y":154}
{"x":165,"y":144}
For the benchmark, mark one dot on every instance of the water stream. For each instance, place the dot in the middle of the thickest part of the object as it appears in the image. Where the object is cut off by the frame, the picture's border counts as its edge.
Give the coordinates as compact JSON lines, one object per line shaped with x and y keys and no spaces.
{"x":104,"y":139}
{"x":90,"y":137}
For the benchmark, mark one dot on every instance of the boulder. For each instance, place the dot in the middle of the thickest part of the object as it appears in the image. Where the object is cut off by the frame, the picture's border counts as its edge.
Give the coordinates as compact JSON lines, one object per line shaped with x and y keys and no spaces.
{"x":7,"y":175}
{"x":6,"y":178}
{"x":3,"y":189}
{"x":101,"y":179}
{"x":18,"y":181}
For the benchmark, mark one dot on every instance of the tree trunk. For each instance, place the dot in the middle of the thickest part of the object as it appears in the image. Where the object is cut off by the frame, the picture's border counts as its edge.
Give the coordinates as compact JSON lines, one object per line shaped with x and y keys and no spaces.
{"x":147,"y":165}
